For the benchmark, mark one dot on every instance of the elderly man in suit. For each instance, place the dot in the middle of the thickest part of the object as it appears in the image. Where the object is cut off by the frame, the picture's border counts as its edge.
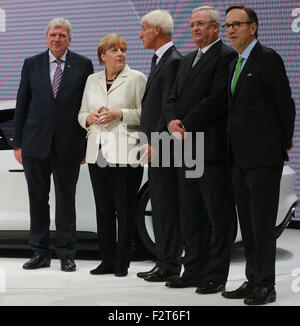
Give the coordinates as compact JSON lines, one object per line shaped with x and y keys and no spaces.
{"x":199,"y":104}
{"x":260,"y":127}
{"x":156,"y":34}
{"x":48,"y":140}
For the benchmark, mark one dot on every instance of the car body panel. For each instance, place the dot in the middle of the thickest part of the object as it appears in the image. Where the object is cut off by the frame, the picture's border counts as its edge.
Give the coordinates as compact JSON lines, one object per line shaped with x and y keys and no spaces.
{"x":14,"y":205}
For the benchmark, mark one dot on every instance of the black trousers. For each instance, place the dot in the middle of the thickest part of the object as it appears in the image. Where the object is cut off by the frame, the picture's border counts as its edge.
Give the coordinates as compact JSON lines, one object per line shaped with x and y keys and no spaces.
{"x":208,"y":222}
{"x":257,"y":196}
{"x":38,"y":176}
{"x":164,"y":194}
{"x":115,"y":191}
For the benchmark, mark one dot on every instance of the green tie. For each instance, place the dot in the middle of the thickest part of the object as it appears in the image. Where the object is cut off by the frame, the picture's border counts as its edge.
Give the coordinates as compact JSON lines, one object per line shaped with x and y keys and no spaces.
{"x":237,"y":73}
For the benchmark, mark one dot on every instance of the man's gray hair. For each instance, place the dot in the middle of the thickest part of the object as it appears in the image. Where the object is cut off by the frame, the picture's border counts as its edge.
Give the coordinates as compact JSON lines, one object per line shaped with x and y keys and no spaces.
{"x":161,"y":18}
{"x":214,"y":13}
{"x":60,"y":22}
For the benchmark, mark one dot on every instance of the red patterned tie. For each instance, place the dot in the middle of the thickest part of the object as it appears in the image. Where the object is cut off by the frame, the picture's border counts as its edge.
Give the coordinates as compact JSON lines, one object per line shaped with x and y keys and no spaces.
{"x":57,"y":77}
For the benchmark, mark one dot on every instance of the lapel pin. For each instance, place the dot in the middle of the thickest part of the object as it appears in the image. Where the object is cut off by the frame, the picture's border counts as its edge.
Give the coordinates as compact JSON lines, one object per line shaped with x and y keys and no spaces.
{"x":249,"y":75}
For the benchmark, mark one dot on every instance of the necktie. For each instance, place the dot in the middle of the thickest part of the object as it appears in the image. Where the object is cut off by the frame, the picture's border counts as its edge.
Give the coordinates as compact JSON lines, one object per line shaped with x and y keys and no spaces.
{"x":57,"y":77}
{"x":237,"y":73}
{"x":198,"y":56}
{"x":153,"y":62}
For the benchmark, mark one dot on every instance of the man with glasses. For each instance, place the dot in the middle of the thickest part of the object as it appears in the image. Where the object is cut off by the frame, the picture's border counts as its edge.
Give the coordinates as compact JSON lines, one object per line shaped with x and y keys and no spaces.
{"x":261,"y":124}
{"x":199,"y":104}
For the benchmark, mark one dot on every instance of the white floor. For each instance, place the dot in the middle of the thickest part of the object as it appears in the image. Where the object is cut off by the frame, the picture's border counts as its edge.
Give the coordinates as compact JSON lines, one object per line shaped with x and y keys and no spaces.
{"x":51,"y":287}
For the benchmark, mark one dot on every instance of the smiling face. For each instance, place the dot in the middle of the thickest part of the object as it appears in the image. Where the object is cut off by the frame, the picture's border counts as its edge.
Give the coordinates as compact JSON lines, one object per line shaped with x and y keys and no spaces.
{"x":245,"y":34}
{"x":203,"y":30}
{"x":58,"y":40}
{"x":115,"y":57}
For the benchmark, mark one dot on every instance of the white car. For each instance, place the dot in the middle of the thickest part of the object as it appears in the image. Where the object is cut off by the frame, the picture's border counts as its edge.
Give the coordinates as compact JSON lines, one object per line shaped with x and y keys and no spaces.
{"x":14,"y":206}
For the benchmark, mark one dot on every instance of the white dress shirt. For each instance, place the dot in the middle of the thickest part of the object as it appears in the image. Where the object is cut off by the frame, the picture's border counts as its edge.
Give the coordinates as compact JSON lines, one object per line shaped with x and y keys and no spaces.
{"x":206,"y":48}
{"x":161,"y":51}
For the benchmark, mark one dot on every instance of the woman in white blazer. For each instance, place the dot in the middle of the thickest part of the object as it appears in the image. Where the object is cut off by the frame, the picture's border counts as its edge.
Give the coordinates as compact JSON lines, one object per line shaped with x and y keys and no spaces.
{"x":110,"y":112}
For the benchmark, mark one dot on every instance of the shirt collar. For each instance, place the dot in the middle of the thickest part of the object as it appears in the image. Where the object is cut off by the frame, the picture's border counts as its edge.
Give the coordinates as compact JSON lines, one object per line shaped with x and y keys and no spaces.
{"x":52,"y":57}
{"x":248,"y":49}
{"x":161,"y":51}
{"x":207,"y":47}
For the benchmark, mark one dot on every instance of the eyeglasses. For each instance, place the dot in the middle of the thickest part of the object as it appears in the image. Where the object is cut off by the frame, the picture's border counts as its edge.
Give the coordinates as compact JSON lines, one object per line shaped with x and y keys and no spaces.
{"x":201,"y":23}
{"x":235,"y":25}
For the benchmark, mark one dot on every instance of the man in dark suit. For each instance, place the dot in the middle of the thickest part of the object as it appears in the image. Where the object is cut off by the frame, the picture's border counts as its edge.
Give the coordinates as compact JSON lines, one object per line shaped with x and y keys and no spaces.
{"x":157,"y":28}
{"x":199,"y":104}
{"x":48,"y":140}
{"x":260,"y":127}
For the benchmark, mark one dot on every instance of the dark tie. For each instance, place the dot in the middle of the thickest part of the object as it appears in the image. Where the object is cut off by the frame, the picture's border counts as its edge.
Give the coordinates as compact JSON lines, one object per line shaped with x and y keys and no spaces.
{"x":153,"y":62}
{"x":57,"y":77}
{"x":237,"y":73}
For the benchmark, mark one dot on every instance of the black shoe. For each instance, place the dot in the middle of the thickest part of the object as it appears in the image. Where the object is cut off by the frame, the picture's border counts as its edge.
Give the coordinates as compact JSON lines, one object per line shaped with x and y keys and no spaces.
{"x":210,"y":287}
{"x":38,"y":261}
{"x":240,"y":293}
{"x":67,"y":264}
{"x":161,"y":276}
{"x":143,"y":274}
{"x":182,"y":282}
{"x":101,"y":269}
{"x":261,"y":295}
{"x":121,"y":272}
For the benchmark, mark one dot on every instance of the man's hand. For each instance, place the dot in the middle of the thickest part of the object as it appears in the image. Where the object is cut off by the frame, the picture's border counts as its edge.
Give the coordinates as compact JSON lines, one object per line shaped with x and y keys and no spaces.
{"x":148,"y":155}
{"x":176,"y":128}
{"x":18,"y":154}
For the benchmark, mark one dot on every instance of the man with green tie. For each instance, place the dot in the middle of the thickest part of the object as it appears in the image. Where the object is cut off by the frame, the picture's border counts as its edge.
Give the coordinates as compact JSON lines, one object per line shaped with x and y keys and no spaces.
{"x":260,"y":125}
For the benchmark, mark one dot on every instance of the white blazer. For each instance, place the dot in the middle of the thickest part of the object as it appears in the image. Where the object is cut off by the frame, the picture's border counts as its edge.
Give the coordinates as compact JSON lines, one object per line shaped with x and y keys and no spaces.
{"x":119,"y":139}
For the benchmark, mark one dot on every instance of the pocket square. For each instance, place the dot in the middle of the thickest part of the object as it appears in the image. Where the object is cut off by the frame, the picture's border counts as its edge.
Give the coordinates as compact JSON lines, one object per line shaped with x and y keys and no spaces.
{"x":249,"y":75}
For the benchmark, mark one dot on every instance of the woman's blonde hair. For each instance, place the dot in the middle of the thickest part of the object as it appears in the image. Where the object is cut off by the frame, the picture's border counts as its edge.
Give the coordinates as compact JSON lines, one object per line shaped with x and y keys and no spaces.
{"x":109,"y":41}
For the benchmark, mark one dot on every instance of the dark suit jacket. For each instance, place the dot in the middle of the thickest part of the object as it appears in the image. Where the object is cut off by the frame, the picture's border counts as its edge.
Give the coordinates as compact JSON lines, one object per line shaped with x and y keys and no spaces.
{"x":158,"y":89}
{"x":262,"y":111}
{"x":199,"y":98}
{"x":42,"y":121}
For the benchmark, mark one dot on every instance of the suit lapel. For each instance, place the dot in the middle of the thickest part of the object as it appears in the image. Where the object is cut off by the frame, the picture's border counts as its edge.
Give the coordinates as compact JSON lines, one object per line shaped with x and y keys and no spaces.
{"x":45,"y":71}
{"x":120,"y":79}
{"x":193,"y":72}
{"x":247,"y":68}
{"x":102,"y":81}
{"x":158,"y":67}
{"x":185,"y":71}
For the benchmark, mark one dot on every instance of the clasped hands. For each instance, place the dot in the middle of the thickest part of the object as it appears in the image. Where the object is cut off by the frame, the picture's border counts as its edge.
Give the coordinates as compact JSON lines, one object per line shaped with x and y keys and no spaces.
{"x":104,"y":116}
